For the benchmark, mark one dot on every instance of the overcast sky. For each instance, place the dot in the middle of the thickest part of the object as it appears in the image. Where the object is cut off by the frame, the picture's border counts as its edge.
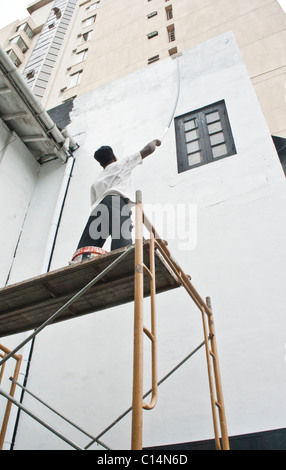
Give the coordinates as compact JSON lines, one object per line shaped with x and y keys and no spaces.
{"x":16,"y":10}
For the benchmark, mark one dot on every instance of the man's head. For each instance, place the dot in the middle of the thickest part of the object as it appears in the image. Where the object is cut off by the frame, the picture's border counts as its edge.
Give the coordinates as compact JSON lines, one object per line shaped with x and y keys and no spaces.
{"x":104,"y":155}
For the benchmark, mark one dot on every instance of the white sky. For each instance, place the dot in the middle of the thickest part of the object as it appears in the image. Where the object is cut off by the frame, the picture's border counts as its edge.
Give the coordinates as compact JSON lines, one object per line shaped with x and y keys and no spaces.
{"x":16,"y":10}
{"x":13,"y":10}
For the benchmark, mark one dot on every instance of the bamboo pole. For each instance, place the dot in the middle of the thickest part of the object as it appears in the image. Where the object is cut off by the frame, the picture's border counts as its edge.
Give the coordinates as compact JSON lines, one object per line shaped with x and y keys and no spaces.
{"x":211,"y":384}
{"x":220,"y":403}
{"x":12,"y":393}
{"x":137,"y":400}
{"x":153,"y":334}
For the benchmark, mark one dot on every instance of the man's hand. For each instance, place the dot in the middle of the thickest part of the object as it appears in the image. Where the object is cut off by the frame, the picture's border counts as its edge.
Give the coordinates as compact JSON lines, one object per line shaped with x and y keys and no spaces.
{"x":150,"y":148}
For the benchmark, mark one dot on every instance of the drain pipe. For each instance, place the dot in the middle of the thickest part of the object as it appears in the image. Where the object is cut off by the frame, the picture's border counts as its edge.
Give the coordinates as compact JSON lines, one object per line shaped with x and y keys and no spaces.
{"x":54,"y":227}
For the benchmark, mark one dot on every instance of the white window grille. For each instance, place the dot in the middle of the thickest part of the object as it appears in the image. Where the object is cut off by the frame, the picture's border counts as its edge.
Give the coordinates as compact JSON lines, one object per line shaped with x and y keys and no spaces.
{"x":171,"y":34}
{"x":169,"y":13}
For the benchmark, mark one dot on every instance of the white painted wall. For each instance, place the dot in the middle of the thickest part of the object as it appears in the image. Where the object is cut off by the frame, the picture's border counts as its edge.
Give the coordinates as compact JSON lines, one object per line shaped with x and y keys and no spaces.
{"x":83,"y":367}
{"x":29,"y":194}
{"x":18,"y":178}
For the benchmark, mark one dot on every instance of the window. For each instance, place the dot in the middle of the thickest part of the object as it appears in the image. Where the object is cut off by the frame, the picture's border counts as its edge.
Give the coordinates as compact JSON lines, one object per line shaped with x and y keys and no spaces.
{"x":14,"y":58}
{"x":154,"y":13}
{"x":152,"y":35}
{"x":89,"y":21}
{"x":169,"y":12}
{"x":30,"y":74}
{"x":20,"y":43}
{"x":75,"y":79}
{"x":153,"y":59}
{"x":25,"y":27}
{"x":86,"y":36}
{"x":173,"y":51}
{"x":171,"y":33}
{"x":203,"y":136}
{"x":57,"y":12}
{"x":94,"y":6}
{"x":80,"y":56}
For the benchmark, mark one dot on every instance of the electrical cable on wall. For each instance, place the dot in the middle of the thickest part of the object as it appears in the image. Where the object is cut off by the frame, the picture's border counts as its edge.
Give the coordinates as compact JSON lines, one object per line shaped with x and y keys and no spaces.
{"x":176,"y":101}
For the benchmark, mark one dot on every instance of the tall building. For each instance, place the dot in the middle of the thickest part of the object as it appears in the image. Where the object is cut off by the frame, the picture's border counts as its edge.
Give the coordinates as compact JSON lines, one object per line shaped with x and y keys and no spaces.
{"x":208,"y":78}
{"x":67,"y":48}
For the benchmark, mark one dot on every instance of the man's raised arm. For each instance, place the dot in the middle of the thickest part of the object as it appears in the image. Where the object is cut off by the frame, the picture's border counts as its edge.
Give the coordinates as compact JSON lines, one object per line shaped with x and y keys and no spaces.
{"x":150,"y":148}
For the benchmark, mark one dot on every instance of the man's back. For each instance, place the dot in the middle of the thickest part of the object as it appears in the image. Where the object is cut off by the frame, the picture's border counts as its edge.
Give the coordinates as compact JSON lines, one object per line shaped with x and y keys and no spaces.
{"x":115,"y":179}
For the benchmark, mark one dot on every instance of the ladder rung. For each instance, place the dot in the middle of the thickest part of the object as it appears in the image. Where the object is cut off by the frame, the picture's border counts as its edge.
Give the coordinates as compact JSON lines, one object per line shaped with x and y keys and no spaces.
{"x":218,"y":404}
{"x":147,"y":271}
{"x":148,"y":333}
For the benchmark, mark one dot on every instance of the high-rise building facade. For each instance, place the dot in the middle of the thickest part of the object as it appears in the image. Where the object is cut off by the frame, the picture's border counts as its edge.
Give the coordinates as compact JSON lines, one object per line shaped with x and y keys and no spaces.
{"x":208,"y":79}
{"x":67,"y":48}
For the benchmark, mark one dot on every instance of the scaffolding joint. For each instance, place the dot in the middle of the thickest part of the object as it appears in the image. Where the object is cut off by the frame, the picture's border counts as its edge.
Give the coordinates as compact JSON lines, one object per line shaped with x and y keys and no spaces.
{"x":139,"y":268}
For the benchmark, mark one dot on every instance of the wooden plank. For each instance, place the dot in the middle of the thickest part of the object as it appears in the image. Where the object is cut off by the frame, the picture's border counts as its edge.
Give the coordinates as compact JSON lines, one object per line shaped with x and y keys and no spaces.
{"x":26,"y":305}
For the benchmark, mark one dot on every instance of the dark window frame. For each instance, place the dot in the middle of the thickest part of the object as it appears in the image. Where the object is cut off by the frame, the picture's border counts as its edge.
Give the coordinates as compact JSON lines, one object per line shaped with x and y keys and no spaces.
{"x":202,"y":140}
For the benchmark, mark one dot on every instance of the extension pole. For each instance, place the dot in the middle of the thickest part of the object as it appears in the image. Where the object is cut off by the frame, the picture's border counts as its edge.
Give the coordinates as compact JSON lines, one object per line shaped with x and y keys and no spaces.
{"x":137,"y":402}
